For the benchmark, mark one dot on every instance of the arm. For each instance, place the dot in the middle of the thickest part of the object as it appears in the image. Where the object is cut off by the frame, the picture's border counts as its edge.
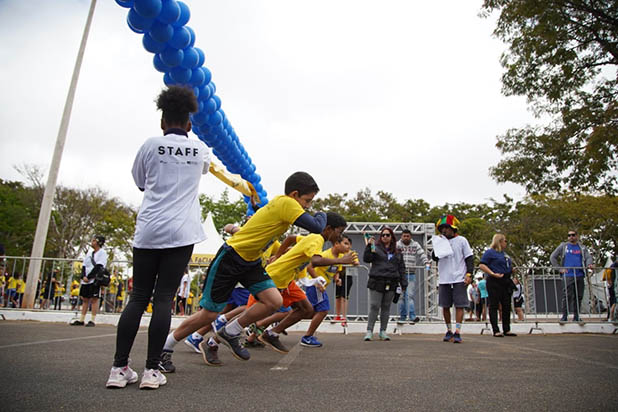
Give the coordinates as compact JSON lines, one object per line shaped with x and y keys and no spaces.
{"x":314,"y":224}
{"x":368,"y":255}
{"x":434,"y":257}
{"x":403,"y":279}
{"x":347,"y":259}
{"x":490,"y":272}
{"x":554,"y":257}
{"x":469,"y":269}
{"x":231,"y":228}
{"x":289,"y":241}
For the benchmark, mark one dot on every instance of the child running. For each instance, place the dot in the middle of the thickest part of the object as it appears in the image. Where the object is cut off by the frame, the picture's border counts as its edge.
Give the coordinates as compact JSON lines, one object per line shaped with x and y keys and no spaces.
{"x":240,"y":260}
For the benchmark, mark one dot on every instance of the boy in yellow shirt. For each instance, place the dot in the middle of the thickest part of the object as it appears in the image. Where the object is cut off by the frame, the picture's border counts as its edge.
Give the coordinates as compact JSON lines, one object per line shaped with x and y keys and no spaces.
{"x":240,"y":260}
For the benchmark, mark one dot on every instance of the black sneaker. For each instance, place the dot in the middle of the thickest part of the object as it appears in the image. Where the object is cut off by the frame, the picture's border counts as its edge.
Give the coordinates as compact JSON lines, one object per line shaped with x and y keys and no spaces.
{"x":77,"y":323}
{"x":210,"y":354}
{"x":233,"y":342}
{"x":273,"y":342}
{"x":415,"y":320}
{"x":252,"y":344}
{"x":165,"y":364}
{"x":90,"y":324}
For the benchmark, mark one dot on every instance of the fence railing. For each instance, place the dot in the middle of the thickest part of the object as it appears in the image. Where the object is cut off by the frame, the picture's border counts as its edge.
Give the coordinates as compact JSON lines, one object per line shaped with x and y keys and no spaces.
{"x":548,"y":294}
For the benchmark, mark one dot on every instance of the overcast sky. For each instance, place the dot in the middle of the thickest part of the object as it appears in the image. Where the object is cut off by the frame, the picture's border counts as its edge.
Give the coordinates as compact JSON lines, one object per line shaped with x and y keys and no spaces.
{"x":400,"y":96}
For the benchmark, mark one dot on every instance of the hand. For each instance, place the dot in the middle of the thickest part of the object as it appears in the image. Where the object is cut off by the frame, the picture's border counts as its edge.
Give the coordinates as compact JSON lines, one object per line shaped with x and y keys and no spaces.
{"x":498,"y":275}
{"x":350,"y":258}
{"x":85,"y":279}
{"x":319,"y":287}
{"x":563,"y":271}
{"x":339,"y":282}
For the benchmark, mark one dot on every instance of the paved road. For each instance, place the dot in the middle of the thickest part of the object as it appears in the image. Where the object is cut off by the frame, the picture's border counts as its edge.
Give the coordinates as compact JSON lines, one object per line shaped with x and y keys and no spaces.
{"x":51,"y":366}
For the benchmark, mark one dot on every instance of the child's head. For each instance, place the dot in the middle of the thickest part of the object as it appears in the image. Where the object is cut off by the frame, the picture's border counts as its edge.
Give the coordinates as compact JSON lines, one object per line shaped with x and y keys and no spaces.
{"x":343,"y":245}
{"x":302,"y":187}
{"x":335,"y":225}
{"x":176,"y":104}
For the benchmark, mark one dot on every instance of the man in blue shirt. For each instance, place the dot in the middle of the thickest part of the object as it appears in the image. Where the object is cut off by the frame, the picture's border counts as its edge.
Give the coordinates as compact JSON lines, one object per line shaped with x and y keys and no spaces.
{"x":571,"y":258}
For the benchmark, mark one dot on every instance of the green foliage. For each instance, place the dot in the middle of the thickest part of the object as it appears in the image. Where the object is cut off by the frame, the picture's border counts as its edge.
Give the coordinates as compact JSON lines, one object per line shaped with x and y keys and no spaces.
{"x":223,"y":210}
{"x":563,"y":56}
{"x":18,"y":217}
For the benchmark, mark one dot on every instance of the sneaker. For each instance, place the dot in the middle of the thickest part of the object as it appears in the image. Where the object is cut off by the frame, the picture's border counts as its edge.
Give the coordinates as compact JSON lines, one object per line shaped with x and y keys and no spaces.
{"x":273,"y":342}
{"x":310,"y":342}
{"x":415,"y":320}
{"x":233,"y":342}
{"x":217,"y":324}
{"x":563,"y":319}
{"x":210,"y":354}
{"x":90,"y":324}
{"x":76,"y":323}
{"x":368,"y":336}
{"x":252,"y":344}
{"x":457,"y":338}
{"x":152,"y":379}
{"x":401,"y":322}
{"x":194,"y":343}
{"x":165,"y":364}
{"x":448,"y":337}
{"x":384,"y":336}
{"x":120,"y":377}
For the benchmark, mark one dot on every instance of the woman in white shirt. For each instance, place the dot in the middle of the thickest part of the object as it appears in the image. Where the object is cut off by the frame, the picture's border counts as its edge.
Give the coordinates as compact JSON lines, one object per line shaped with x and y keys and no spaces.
{"x":168,"y":170}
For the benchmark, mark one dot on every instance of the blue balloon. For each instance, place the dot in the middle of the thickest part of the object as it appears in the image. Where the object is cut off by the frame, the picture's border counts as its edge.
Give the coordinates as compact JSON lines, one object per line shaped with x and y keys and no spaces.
{"x":161,"y":32}
{"x":185,"y":15}
{"x":256,"y":178}
{"x":167,"y":79}
{"x":148,"y":9}
{"x":204,"y":94}
{"x":171,"y":57}
{"x":210,"y":106}
{"x":202,"y":58}
{"x":152,"y":45}
{"x":181,"y":38}
{"x":199,"y":118}
{"x":138,"y":23}
{"x":258,"y":187}
{"x":159,"y":65}
{"x":170,"y":12}
{"x":213,"y":88}
{"x":217,"y":101}
{"x":190,"y":59}
{"x":204,"y":129}
{"x":197,"y":77}
{"x":125,"y":3}
{"x":207,"y":74}
{"x":181,"y":75}
{"x":192,"y":42}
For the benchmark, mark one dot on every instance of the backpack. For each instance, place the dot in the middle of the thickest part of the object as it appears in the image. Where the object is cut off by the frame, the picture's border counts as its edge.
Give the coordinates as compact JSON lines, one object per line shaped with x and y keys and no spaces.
{"x":102,"y":277}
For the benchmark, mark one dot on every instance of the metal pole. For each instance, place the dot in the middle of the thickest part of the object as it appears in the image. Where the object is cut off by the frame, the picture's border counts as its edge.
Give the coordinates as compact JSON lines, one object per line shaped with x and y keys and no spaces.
{"x":34,"y":268}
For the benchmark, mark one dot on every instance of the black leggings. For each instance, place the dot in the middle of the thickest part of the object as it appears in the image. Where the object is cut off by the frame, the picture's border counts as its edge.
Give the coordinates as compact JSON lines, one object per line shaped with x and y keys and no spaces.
{"x":499,"y":294}
{"x":153,"y":269}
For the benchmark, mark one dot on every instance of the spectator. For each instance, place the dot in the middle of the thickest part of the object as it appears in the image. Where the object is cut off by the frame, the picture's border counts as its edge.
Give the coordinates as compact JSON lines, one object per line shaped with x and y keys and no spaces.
{"x":74,"y":295}
{"x":58,"y":292}
{"x":49,"y":288}
{"x":21,"y":289}
{"x":183,"y":292}
{"x":343,"y":285}
{"x":386,"y":274}
{"x":111,"y":292}
{"x":518,"y":299}
{"x":609,"y":275}
{"x":475,"y":301}
{"x":482,"y":286}
{"x":89,"y":291}
{"x":413,"y":256}
{"x":497,"y":264}
{"x":11,"y":291}
{"x":454,"y":275}
{"x":571,"y":258}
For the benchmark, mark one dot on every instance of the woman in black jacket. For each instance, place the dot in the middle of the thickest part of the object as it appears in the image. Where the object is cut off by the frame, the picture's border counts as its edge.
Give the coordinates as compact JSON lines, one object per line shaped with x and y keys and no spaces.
{"x":386,"y":274}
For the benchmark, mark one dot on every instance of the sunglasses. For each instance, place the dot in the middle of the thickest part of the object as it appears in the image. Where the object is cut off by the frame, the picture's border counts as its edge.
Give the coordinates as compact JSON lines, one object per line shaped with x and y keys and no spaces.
{"x":385,"y":235}
{"x":572,"y":234}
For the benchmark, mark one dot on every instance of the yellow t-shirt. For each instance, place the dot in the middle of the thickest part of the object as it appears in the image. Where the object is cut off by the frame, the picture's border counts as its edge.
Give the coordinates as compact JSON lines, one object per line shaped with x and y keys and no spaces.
{"x":12,"y":284}
{"x":75,"y":292}
{"x":21,"y":286}
{"x":288,"y":267}
{"x":328,"y":272}
{"x":266,"y":226}
{"x":272,"y":250}
{"x":113,"y":284}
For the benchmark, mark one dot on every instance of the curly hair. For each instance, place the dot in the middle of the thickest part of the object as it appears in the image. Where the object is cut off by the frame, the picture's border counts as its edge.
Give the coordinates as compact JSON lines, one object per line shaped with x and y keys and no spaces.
{"x":176,"y":103}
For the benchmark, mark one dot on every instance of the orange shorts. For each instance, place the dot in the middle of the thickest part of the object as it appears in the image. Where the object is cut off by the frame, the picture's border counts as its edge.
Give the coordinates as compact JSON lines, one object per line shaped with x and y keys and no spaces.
{"x":290,"y":295}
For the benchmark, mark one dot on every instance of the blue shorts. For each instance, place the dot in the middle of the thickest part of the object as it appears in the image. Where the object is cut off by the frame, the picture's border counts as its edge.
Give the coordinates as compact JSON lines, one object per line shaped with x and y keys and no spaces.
{"x":239,"y":297}
{"x":318,"y":299}
{"x":284,"y":309}
{"x":11,"y":293}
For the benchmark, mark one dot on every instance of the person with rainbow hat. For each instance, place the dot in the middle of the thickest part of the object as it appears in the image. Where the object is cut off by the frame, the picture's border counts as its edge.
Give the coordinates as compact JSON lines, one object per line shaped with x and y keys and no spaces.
{"x":454,"y":275}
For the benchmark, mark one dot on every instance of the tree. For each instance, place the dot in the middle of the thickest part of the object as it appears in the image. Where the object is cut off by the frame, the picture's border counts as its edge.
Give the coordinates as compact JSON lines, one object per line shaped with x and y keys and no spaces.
{"x":19,"y":208}
{"x":223,"y":210}
{"x":563,"y":56}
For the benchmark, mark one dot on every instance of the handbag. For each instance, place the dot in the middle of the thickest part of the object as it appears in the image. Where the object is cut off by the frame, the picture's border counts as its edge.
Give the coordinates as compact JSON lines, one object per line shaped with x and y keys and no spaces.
{"x":102,"y":278}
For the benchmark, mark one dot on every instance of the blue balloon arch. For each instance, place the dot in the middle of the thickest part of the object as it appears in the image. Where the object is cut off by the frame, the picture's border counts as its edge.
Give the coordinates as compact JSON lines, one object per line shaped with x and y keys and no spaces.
{"x":163,"y":24}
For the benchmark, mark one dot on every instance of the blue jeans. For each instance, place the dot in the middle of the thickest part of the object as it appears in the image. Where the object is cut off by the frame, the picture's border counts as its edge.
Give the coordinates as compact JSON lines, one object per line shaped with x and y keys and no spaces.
{"x":406,"y":301}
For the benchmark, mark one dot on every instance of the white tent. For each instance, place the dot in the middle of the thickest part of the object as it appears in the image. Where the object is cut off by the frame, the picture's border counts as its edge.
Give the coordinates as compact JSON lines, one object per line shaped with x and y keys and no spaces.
{"x":204,"y":252}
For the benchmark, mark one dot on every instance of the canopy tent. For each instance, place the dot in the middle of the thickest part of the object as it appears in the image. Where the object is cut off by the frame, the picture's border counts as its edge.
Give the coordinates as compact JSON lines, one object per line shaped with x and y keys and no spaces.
{"x":204,"y":253}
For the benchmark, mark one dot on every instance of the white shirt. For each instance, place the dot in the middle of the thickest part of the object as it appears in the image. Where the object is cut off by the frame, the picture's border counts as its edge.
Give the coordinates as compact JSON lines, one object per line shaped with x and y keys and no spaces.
{"x":100,"y":258}
{"x":184,"y":286}
{"x":452,"y":269}
{"x":169,"y":169}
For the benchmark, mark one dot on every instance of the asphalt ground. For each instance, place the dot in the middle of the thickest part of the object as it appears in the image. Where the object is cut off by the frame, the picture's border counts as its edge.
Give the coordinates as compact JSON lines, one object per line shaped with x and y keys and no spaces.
{"x":53,"y":366}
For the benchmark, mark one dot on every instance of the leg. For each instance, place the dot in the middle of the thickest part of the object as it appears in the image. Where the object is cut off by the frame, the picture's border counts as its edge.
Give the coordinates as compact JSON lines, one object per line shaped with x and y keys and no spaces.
{"x":385,"y":309}
{"x":404,"y":304}
{"x":95,"y":307}
{"x":303,"y":310}
{"x":446,"y":313}
{"x":494,"y":302}
{"x":317,"y":319}
{"x":375,"y":298}
{"x":506,"y":311}
{"x":579,"y":294}
{"x":269,"y":301}
{"x":565,"y":297}
{"x":411,"y":292}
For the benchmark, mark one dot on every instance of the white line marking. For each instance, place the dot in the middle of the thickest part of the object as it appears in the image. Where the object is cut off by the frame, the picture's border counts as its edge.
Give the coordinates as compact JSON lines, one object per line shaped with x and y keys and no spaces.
{"x":286,"y":361}
{"x":42,"y":342}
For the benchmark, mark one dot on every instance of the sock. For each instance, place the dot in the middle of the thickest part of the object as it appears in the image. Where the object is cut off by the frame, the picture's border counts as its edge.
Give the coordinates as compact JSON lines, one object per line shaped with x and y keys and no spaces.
{"x":212,"y":342}
{"x":170,"y":342}
{"x":233,"y":328}
{"x":82,"y":318}
{"x":92,"y":317}
{"x":457,"y":327}
{"x":272,"y":333}
{"x":222,"y":318}
{"x":197,"y":336}
{"x":449,"y":326}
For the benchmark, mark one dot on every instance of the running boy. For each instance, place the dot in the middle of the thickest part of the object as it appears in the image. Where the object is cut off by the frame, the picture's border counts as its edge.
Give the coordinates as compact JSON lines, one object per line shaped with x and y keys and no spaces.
{"x":239,"y":260}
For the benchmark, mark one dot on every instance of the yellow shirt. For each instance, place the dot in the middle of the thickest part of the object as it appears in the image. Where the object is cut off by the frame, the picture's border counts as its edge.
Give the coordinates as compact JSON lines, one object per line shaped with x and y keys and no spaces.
{"x":75,"y":292}
{"x":113,"y":284}
{"x":272,"y":250}
{"x":12,"y":284}
{"x":288,"y":267}
{"x":328,"y":272}
{"x":21,"y":286}
{"x":266,"y":226}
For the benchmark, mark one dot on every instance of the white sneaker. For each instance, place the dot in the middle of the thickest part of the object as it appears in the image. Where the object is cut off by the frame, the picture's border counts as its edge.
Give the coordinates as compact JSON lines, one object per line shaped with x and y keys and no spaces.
{"x":119,"y":377}
{"x":152,"y":379}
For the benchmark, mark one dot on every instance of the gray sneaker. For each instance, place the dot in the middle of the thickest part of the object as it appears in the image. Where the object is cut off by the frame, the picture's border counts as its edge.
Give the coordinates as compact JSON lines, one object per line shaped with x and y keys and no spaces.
{"x":210,"y":354}
{"x":273,"y":342}
{"x":165,"y":364}
{"x":233,"y":342}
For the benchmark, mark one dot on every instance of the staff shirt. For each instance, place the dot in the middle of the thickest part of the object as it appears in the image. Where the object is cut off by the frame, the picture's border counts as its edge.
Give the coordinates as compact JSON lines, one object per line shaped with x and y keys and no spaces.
{"x":100,"y":258}
{"x":168,"y":169}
